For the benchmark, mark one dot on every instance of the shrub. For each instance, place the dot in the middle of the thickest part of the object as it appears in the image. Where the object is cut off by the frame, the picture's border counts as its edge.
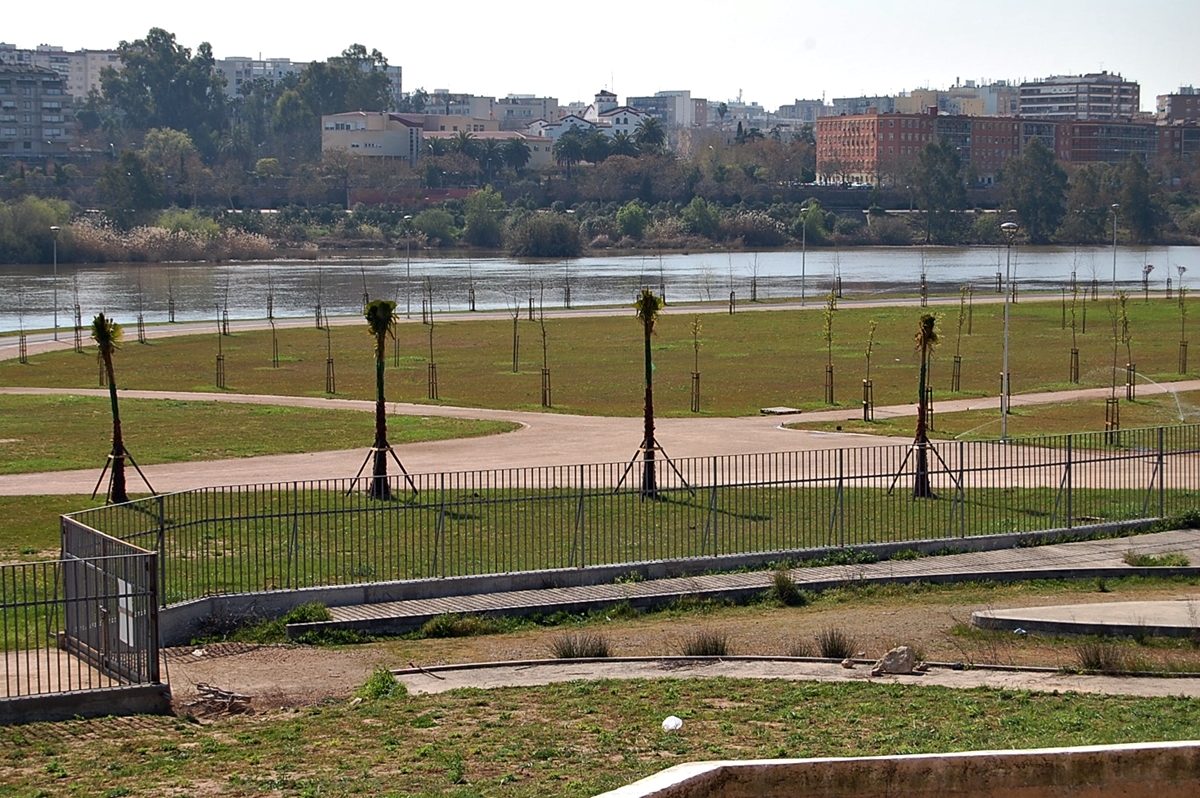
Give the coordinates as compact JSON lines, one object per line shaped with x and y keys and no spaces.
{"x":800,"y":648}
{"x":382,"y":684}
{"x":579,"y":645}
{"x":1099,"y":656}
{"x":632,"y":220}
{"x":453,"y":625}
{"x":1171,"y":559}
{"x":308,"y":613}
{"x":785,"y":591}
{"x":545,"y":235}
{"x":435,"y":223}
{"x":835,"y":643}
{"x":706,"y":644}
{"x":755,"y":229}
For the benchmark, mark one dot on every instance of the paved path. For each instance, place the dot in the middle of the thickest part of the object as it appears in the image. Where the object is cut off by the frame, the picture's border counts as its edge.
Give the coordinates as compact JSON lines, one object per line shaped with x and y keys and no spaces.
{"x":1085,"y":559}
{"x":544,"y":439}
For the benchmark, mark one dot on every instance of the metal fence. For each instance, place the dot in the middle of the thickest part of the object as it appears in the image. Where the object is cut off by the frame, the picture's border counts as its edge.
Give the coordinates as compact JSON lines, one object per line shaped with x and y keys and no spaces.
{"x":305,"y":534}
{"x":87,"y":621}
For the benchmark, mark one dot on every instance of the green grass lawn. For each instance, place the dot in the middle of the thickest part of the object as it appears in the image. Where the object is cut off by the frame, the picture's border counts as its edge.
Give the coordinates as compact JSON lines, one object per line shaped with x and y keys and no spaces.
{"x":573,"y":739}
{"x":55,"y":433}
{"x":747,"y":360}
{"x":1049,"y":419}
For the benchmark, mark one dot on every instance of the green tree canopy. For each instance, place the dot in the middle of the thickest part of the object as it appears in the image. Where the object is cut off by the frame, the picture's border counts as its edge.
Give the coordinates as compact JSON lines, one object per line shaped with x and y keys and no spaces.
{"x":1035,"y":186}
{"x":162,"y":84}
{"x":356,"y":80}
{"x":940,"y":191}
{"x":132,"y":189}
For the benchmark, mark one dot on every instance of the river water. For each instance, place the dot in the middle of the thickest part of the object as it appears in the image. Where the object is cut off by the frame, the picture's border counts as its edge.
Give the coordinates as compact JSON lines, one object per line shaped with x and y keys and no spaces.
{"x":200,"y":291}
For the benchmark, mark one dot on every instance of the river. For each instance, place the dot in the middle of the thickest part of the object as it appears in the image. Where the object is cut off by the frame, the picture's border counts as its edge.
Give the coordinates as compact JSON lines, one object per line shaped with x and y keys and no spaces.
{"x":202,"y":290}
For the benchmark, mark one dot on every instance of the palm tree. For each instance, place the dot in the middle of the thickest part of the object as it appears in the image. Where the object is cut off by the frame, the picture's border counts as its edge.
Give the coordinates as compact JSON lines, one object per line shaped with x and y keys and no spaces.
{"x":648,"y":306}
{"x":464,"y":143}
{"x":437,"y":146}
{"x":623,"y":144}
{"x":568,"y":150}
{"x":107,"y":335}
{"x":381,"y":322}
{"x":596,"y":147}
{"x":926,"y":340}
{"x":650,"y":134}
{"x":491,"y":158}
{"x":516,"y":154}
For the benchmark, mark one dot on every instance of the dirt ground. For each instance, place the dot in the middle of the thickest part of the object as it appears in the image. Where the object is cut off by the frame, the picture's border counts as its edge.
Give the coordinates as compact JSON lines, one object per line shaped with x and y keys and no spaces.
{"x":934,"y":623}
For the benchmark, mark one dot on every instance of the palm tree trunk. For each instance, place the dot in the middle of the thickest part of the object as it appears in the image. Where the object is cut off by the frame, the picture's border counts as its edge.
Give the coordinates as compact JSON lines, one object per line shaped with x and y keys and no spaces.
{"x":921,"y":489}
{"x":649,"y":475}
{"x":379,"y":483}
{"x":118,"y":494}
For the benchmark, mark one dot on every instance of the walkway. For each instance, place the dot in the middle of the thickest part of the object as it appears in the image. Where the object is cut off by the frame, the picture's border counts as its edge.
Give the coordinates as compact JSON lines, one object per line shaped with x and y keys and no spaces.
{"x":1085,"y":559}
{"x":544,"y":439}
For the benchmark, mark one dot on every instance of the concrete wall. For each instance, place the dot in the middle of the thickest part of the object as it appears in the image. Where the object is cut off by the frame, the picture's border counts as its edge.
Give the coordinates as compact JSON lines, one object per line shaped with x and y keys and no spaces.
{"x":150,"y":699}
{"x":1161,"y":770}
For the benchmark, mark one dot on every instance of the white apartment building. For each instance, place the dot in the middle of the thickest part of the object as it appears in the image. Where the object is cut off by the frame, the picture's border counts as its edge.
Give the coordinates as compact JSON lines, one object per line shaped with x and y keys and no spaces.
{"x":80,"y":69}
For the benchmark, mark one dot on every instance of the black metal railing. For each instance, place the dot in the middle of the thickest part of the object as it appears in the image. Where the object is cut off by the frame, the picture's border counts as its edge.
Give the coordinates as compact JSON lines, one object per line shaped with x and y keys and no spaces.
{"x":277,"y":536}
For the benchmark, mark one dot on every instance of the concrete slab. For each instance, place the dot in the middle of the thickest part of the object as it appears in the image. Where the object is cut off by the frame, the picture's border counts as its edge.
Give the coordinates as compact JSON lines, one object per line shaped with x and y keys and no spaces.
{"x":1180,"y":618}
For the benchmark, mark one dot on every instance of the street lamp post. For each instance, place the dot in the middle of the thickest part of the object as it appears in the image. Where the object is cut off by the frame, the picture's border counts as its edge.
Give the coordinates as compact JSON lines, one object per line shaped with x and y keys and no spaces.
{"x":54,"y":229}
{"x":1116,"y":206}
{"x":1010,"y":232}
{"x":408,"y":267}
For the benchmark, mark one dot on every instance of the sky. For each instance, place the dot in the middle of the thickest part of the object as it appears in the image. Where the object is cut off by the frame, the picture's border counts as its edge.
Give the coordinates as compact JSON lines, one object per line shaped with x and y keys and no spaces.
{"x":768,"y":51}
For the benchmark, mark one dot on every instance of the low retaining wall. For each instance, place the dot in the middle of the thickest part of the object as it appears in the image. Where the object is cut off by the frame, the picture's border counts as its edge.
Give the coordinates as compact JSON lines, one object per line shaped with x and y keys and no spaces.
{"x":149,"y":699}
{"x":179,"y":623}
{"x":1161,"y":770}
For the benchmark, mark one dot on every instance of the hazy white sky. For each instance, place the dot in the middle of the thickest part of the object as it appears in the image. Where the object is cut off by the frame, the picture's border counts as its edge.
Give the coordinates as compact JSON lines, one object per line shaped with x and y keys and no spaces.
{"x":770,"y":50}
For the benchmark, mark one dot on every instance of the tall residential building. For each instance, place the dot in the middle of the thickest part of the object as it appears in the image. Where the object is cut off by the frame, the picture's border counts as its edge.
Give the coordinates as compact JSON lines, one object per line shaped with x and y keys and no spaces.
{"x":672,"y":108}
{"x":1102,"y":96}
{"x":80,"y":69}
{"x":852,"y":106}
{"x":241,"y":69}
{"x":517,"y":111}
{"x":448,"y":103}
{"x":37,"y":117}
{"x":1182,"y":106}
{"x":805,"y":111}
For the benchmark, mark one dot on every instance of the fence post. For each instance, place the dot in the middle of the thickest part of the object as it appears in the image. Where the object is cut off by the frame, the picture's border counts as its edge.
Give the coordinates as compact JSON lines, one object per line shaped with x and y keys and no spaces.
{"x":162,"y":540}
{"x":1070,"y":482}
{"x":1161,"y":497}
{"x":579,"y":541}
{"x":712,"y":507}
{"x":841,"y":498}
{"x":962,"y":492}
{"x":152,"y":664}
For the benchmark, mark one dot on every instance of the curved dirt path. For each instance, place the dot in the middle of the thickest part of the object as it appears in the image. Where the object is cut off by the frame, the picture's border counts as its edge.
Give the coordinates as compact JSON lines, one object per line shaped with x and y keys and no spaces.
{"x":544,"y":439}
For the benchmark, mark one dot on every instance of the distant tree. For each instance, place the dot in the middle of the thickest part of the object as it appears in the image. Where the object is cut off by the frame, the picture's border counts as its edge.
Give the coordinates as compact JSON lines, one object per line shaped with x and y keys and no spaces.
{"x":132,"y":190}
{"x":632,"y":220}
{"x":516,"y":153}
{"x":650,"y":134}
{"x":545,"y":235}
{"x":436,"y":224}
{"x":700,"y":218}
{"x":939,"y":190}
{"x":356,"y":80}
{"x":1036,"y":187}
{"x":413,"y":102}
{"x":161,"y":84}
{"x":465,"y":143}
{"x":1086,"y":215}
{"x":107,"y":335}
{"x":483,"y":211}
{"x":623,"y":144}
{"x":596,"y":147}
{"x":1139,"y":210}
{"x":490,"y":154}
{"x":568,"y":150}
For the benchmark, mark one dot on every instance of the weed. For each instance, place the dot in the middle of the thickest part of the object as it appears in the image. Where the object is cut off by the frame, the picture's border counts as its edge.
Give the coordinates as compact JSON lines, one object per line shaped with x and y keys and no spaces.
{"x":454,"y":625}
{"x":784,"y":589}
{"x":1099,"y":656}
{"x":800,"y":648}
{"x":906,"y":554}
{"x":1101,"y":585}
{"x":308,"y":613}
{"x":382,"y":684}
{"x":579,"y":645}
{"x":633,"y":577}
{"x":841,"y":557}
{"x":334,"y":637}
{"x":835,"y":643}
{"x":1171,"y":559}
{"x":706,"y":644}
{"x":621,"y":612}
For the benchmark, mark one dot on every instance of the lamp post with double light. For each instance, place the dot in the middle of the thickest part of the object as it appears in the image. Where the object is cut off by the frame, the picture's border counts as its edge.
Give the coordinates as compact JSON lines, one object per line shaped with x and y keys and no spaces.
{"x":1116,"y":207}
{"x":1010,"y":232}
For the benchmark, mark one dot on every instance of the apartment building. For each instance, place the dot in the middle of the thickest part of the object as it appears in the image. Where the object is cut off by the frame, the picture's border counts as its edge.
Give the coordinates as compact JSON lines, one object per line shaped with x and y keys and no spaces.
{"x":1182,"y":106}
{"x":1103,"y":96}
{"x":518,"y":111}
{"x":239,"y":70}
{"x":37,"y":117}
{"x":79,"y":69}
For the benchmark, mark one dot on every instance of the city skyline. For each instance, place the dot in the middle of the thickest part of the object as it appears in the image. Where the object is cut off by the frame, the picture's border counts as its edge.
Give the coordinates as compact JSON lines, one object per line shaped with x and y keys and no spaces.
{"x":772,"y":52}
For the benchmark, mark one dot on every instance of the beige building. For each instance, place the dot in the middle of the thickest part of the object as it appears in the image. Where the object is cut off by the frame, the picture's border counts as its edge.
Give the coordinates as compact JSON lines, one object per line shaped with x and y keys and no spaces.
{"x":375,"y":134}
{"x":541,"y":149}
{"x":80,"y":69}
